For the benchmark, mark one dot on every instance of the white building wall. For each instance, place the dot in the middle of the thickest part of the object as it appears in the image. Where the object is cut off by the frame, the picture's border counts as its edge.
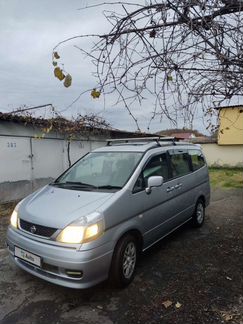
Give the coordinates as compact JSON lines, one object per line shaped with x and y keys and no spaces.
{"x":27,"y":163}
{"x":80,"y":148}
{"x":14,"y":159}
{"x":48,"y":158}
{"x":223,"y":155}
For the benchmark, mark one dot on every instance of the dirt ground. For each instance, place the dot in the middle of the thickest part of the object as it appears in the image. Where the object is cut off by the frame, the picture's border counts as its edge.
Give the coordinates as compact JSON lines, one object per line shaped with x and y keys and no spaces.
{"x":199,"y":270}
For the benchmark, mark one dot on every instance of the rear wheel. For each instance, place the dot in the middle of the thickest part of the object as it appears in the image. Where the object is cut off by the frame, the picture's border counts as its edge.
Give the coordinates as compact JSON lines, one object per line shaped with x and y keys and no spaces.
{"x":199,"y":214}
{"x":124,"y":261}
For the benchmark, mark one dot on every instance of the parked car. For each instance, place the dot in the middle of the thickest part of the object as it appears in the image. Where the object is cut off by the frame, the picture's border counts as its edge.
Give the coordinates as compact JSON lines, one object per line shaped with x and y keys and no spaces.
{"x":93,"y":221}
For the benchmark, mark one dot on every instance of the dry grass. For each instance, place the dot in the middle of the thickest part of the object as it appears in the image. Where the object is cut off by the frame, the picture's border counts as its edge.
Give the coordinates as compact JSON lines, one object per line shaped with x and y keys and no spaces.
{"x":7,"y":208}
{"x":226,"y":178}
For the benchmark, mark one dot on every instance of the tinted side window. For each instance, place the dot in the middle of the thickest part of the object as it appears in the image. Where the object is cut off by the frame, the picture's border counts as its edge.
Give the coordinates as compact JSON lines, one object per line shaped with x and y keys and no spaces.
{"x":197,"y":159}
{"x":179,"y":163}
{"x":157,"y":166}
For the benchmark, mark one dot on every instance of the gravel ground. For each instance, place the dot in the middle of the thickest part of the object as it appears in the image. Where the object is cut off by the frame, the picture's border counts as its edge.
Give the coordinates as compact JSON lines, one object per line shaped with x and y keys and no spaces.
{"x":196,"y":273}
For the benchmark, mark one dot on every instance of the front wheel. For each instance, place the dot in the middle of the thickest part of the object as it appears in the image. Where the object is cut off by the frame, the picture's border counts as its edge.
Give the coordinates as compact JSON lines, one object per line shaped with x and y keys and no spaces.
{"x":124,"y":261}
{"x":199,"y":214}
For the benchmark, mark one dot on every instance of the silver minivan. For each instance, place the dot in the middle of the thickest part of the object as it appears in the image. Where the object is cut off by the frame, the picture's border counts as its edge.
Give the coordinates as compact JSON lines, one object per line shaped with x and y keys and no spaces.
{"x":93,"y":221}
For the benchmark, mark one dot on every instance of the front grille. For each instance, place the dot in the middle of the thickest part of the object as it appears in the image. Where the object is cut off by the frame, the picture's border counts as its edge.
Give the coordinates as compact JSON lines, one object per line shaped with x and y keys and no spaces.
{"x":37,"y":229}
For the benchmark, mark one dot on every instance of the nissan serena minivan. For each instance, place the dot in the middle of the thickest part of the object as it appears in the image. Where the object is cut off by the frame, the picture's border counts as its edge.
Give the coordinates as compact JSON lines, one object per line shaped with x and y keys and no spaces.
{"x":93,"y":221}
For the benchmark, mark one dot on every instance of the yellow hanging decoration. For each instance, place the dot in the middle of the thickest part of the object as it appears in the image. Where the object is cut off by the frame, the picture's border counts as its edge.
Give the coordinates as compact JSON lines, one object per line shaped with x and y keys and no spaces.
{"x":56,"y":55}
{"x":67,"y":81}
{"x":95,"y":93}
{"x":58,"y":73}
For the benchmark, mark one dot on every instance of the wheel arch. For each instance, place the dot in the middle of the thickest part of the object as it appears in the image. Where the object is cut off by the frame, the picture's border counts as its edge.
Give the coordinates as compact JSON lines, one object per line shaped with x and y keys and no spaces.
{"x":135,"y":233}
{"x":203,"y":198}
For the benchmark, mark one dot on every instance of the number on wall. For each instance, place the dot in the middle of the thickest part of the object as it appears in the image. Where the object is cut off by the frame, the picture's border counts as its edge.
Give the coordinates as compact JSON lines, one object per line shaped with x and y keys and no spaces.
{"x":11,"y":144}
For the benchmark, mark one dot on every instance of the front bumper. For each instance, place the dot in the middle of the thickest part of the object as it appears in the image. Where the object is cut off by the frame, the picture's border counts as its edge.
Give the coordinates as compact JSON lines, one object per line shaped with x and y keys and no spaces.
{"x":59,"y":261}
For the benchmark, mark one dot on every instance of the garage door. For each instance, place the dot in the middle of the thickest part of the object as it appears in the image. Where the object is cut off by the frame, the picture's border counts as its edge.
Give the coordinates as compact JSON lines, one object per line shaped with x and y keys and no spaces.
{"x":47,"y":158}
{"x":15,"y":159}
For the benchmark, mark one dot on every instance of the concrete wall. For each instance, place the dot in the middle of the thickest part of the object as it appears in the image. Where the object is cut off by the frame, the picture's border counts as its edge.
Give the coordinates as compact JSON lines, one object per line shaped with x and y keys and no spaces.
{"x":30,"y":158}
{"x":27,"y":163}
{"x":223,"y":155}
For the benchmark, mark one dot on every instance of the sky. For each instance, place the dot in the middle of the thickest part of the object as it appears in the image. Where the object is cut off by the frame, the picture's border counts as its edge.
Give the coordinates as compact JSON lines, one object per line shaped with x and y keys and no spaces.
{"x":29,"y":30}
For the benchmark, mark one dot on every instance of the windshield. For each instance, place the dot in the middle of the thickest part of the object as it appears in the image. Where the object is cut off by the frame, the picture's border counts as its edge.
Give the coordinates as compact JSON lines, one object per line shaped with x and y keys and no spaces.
{"x":101,"y":170}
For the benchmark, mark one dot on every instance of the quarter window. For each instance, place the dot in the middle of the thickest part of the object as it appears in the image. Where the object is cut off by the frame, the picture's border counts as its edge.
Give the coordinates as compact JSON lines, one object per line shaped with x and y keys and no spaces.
{"x":197,"y":159}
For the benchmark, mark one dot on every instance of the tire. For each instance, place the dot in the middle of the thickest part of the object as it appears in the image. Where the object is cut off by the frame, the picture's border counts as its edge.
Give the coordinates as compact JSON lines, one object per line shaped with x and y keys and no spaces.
{"x":124,"y":261}
{"x":198,"y":216}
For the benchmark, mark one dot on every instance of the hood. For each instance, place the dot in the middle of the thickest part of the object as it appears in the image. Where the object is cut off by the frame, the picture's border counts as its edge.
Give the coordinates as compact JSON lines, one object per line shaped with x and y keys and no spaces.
{"x":57,"y":207}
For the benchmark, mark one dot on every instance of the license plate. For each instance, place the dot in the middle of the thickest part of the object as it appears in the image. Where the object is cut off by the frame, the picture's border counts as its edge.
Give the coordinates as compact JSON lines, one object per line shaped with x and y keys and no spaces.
{"x":27,"y":256}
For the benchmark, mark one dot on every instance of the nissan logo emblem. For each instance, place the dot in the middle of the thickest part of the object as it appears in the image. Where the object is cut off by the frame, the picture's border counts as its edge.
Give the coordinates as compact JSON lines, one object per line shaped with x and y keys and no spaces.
{"x":33,"y":229}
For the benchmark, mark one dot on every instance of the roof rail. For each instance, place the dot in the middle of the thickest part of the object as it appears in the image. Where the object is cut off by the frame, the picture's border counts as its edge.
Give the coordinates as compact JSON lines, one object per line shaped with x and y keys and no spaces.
{"x":156,"y":139}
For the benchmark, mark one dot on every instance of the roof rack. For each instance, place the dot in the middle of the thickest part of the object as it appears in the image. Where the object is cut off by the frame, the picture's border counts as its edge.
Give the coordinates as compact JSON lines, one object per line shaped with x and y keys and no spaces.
{"x":156,"y":139}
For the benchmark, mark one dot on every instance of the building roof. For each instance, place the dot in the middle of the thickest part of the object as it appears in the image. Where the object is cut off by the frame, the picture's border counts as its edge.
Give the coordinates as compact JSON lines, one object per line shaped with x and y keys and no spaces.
{"x":203,"y":140}
{"x":172,"y":131}
{"x":67,"y":126}
{"x":226,"y":107}
{"x":183,"y":135}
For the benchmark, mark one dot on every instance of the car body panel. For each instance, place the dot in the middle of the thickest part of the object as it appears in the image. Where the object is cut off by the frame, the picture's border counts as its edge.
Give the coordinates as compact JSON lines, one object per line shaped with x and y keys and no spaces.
{"x":60,"y":206}
{"x":93,"y":263}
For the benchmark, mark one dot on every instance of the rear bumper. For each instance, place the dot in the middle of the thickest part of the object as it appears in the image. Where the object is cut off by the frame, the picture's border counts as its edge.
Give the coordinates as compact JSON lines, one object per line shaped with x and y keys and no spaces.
{"x":57,"y":261}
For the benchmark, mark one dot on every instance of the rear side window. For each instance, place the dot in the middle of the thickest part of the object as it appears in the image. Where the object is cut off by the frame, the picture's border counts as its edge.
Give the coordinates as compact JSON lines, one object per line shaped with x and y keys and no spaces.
{"x":197,"y":159}
{"x":179,"y":163}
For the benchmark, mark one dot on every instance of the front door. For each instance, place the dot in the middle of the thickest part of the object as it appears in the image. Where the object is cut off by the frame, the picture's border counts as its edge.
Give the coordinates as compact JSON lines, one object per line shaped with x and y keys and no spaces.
{"x":158,"y":206}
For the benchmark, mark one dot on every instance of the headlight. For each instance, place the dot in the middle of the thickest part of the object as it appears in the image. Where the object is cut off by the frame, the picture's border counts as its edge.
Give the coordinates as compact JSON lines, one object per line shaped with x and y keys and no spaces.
{"x":14,"y":219}
{"x":80,"y":234}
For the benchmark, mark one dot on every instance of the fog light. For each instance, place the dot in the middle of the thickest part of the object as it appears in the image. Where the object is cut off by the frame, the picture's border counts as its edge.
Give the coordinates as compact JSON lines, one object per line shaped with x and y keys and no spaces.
{"x":74,"y":274}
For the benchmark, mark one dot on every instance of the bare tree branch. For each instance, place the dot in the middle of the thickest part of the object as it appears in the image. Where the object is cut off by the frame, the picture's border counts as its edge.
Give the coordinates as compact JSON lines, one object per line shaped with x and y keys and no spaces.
{"x":184,"y":55}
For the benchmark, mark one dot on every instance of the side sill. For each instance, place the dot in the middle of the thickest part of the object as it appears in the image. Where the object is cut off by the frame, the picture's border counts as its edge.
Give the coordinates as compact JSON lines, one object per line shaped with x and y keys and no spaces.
{"x":161,"y":238}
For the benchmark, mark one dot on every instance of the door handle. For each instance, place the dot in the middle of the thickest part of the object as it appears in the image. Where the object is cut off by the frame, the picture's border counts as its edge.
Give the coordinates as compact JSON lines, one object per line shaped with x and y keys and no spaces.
{"x":178,"y":186}
{"x":169,"y":189}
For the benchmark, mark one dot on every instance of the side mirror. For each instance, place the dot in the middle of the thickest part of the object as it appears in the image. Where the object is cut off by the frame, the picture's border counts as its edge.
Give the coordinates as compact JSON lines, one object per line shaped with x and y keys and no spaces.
{"x":155,"y":181}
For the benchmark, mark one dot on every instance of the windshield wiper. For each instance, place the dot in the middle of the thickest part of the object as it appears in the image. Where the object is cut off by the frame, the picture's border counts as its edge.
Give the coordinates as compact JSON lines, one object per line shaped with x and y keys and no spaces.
{"x":76,"y":184}
{"x":80,"y":184}
{"x":73,"y":184}
{"x":108,"y":187}
{"x":56,"y":183}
